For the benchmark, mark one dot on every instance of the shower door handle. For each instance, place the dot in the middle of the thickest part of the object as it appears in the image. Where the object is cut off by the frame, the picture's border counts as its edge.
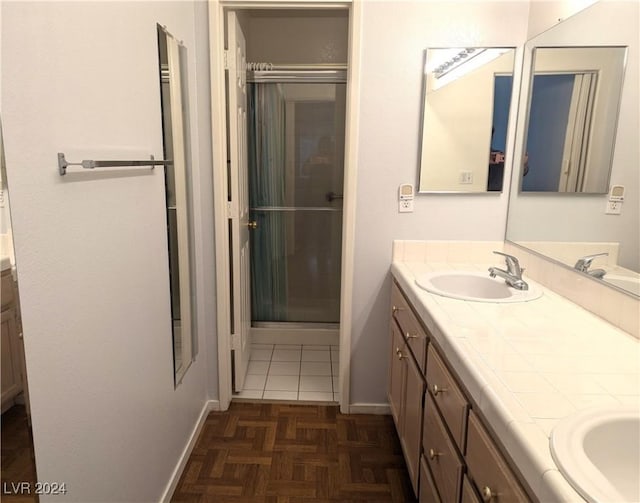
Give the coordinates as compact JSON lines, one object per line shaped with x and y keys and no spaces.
{"x":252,"y":224}
{"x":332,"y":195}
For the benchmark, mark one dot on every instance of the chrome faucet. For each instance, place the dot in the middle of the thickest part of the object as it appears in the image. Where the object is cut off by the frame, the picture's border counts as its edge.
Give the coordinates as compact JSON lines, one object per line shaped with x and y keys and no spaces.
{"x":584,"y":263}
{"x":513,"y":275}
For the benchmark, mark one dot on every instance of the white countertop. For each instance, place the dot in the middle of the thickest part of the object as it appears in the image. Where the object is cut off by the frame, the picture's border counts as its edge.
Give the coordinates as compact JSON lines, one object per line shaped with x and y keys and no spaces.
{"x":5,"y":262}
{"x":528,"y":365}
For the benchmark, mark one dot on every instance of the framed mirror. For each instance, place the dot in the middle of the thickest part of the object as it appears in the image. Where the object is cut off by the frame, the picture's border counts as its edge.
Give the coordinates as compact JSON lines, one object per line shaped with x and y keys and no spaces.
{"x":467,"y":95}
{"x":172,"y":60}
{"x":574,"y":98}
{"x":564,"y":226}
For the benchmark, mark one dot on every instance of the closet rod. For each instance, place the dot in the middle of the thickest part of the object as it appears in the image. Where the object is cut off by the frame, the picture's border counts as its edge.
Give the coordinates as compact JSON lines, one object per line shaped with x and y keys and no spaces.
{"x":91,"y":164}
{"x":266,"y":66}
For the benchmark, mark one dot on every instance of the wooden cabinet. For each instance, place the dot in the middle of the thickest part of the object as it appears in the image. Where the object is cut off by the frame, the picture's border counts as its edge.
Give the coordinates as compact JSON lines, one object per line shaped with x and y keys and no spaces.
{"x":469,"y":494}
{"x":10,"y":344}
{"x":411,"y":329}
{"x":488,"y":470}
{"x":406,"y":381}
{"x":450,"y":456}
{"x":442,"y":457}
{"x":448,"y":396}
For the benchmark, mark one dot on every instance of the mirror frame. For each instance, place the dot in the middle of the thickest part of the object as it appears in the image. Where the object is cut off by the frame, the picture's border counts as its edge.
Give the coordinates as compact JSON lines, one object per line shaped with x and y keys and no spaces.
{"x":175,"y":134}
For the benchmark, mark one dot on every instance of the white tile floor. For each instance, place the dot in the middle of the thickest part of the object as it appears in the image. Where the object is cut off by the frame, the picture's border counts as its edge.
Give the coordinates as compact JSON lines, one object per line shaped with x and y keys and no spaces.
{"x":292,"y":372}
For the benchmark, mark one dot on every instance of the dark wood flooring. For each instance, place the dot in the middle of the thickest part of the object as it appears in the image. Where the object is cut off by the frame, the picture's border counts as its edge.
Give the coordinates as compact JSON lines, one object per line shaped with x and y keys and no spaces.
{"x":18,"y":461}
{"x":286,"y":453}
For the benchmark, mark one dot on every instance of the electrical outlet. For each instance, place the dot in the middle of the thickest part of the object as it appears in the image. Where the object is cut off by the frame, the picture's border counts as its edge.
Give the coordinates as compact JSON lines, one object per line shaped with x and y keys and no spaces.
{"x":466,"y":177}
{"x":613,"y":208}
{"x":405,"y":206}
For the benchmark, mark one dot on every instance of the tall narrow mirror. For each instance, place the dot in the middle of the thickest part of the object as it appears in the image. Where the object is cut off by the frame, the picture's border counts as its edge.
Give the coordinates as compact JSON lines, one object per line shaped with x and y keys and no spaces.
{"x":465,"y":118}
{"x":172,"y":59}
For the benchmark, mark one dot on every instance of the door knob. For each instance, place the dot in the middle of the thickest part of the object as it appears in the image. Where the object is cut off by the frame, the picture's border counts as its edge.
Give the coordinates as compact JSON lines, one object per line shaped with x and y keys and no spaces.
{"x":252,"y":224}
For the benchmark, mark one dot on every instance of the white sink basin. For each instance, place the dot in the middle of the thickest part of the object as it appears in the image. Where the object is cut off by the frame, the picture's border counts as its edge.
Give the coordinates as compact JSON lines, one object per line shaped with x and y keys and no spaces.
{"x":598,"y":452}
{"x":629,"y":283}
{"x":474,"y":286}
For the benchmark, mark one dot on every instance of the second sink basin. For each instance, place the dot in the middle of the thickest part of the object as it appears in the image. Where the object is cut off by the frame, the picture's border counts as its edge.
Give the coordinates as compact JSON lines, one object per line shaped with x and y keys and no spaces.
{"x":598,"y":452}
{"x":474,"y":286}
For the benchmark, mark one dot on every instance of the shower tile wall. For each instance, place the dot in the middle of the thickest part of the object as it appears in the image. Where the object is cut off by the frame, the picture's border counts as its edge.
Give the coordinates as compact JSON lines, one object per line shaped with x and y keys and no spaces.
{"x":292,"y":372}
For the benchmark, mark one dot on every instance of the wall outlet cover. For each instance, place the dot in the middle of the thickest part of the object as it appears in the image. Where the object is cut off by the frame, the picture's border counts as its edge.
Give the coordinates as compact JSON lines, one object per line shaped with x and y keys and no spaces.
{"x":613,"y":208}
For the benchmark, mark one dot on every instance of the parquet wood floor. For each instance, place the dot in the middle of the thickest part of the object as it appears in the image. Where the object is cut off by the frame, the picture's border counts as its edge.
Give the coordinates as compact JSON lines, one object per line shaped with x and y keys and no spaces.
{"x":18,"y":461}
{"x":290,"y":453}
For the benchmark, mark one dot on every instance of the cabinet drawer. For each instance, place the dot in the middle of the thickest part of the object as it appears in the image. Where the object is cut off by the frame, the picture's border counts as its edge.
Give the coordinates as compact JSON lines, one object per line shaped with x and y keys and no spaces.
{"x":428,"y":491}
{"x":409,"y":325}
{"x":469,"y":494}
{"x":440,"y":453}
{"x":487,"y":468}
{"x":447,"y":395}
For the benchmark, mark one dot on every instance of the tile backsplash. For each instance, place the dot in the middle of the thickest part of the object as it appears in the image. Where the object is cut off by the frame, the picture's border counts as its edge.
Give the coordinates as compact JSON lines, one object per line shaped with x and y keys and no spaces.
{"x":616,"y":307}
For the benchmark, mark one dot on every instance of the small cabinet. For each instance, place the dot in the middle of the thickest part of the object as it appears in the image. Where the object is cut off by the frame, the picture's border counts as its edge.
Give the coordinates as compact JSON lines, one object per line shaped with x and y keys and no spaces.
{"x":450,"y":399}
{"x":441,"y":455}
{"x":406,"y":387}
{"x":488,"y":470}
{"x":10,"y":344}
{"x":406,"y":380}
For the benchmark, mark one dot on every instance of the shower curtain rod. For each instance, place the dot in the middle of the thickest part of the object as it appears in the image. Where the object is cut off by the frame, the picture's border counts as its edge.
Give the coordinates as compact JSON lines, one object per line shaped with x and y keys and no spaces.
{"x":268,"y":72}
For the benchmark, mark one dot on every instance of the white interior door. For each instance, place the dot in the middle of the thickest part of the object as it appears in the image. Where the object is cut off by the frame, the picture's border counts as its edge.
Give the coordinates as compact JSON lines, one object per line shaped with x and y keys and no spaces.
{"x":239,"y":201}
{"x":576,"y":146}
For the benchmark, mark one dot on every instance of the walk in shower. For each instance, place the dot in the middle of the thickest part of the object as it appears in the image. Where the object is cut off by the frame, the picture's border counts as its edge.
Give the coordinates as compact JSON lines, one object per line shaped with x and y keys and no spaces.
{"x":296,"y":130}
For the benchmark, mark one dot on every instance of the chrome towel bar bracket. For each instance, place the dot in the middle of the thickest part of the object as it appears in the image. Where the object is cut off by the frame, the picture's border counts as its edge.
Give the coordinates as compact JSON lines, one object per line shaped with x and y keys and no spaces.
{"x":90,"y":164}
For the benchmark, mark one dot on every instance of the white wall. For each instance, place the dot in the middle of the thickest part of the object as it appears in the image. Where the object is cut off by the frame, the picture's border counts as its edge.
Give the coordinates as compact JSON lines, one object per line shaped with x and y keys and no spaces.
{"x":543,"y":14}
{"x":395,"y":34}
{"x":82,"y":78}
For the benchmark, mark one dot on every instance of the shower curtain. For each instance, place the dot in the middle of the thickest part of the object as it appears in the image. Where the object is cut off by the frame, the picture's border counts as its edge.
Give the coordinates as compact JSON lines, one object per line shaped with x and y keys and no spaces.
{"x":266,"y":142}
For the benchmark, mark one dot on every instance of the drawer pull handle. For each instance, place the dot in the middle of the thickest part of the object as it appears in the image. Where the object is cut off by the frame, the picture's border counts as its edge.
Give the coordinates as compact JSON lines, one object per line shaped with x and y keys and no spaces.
{"x":400,"y":355}
{"x":487,"y":494}
{"x":395,"y":309}
{"x":411,"y":336}
{"x":433,"y":454}
{"x":437,"y":390}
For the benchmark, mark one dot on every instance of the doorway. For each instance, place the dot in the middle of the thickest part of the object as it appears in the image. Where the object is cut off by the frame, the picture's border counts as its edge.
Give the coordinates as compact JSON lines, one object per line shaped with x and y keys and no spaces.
{"x":18,"y":454}
{"x":295,"y":124}
{"x":296,"y":173}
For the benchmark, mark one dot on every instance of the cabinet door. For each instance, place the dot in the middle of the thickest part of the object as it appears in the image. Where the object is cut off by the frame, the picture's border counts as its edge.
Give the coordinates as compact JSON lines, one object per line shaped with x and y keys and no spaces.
{"x":428,"y":491}
{"x":489,"y":470}
{"x":412,"y":436}
{"x":397,"y":373}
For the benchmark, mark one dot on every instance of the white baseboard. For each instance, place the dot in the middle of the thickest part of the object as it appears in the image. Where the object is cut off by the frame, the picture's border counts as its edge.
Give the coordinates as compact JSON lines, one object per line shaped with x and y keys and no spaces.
{"x":380,"y":409}
{"x":209,"y":405}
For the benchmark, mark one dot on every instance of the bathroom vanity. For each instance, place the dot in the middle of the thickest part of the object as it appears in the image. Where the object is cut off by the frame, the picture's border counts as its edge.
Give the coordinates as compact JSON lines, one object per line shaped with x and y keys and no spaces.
{"x":476,"y":388}
{"x":12,"y":359}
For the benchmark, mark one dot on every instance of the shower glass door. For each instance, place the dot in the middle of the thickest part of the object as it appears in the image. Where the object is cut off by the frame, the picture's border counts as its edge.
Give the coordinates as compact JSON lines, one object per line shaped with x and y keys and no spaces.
{"x":296,"y":155}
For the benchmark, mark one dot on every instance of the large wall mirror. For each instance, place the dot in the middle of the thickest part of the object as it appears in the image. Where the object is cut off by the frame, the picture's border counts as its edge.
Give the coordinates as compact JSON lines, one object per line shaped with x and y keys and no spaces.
{"x":566,"y":226}
{"x":574,"y":97}
{"x":175,"y":128}
{"x":465,"y":116}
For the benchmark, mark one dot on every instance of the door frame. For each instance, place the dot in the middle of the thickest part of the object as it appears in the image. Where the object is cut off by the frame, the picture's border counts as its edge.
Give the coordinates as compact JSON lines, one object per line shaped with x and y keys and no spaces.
{"x":221,"y":212}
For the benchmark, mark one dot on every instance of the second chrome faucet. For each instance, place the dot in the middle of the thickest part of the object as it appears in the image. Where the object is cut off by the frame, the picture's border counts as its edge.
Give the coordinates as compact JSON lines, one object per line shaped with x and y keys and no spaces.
{"x":512,"y":275}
